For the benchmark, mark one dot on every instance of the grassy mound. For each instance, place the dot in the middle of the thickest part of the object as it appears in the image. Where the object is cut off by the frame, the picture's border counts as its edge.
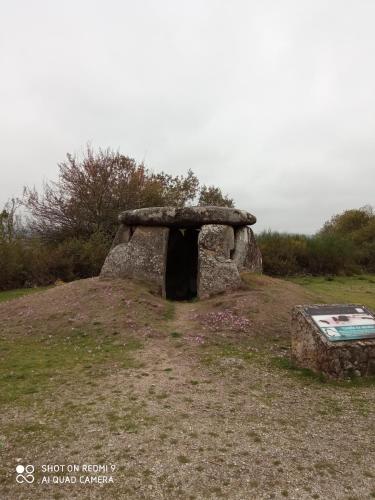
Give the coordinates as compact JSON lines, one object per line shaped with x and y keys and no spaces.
{"x":187,"y":400}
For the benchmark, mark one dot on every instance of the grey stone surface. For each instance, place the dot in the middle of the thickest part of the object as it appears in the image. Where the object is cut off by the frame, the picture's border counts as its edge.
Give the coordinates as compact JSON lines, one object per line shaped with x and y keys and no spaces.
{"x":311,"y":349}
{"x":216,"y":271}
{"x":186,"y":216}
{"x":226,"y":246}
{"x":123,"y":235}
{"x":218,"y":238}
{"x":246,"y":253}
{"x":142,"y":257}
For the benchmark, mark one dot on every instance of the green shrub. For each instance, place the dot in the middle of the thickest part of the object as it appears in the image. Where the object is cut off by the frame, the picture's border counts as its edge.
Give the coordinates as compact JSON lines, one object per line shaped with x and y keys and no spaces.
{"x":331,"y":254}
{"x":283,"y":254}
{"x":30,"y":262}
{"x":322,"y":254}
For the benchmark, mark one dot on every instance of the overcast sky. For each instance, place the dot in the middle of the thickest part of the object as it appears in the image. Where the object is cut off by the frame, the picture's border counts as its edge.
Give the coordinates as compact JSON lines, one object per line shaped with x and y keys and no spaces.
{"x":272,"y":101}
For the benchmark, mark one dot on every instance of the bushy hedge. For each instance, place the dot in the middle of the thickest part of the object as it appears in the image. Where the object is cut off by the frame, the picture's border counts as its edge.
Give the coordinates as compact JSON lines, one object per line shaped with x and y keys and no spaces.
{"x":321,"y":254}
{"x":27,"y":262}
{"x":345,"y":245}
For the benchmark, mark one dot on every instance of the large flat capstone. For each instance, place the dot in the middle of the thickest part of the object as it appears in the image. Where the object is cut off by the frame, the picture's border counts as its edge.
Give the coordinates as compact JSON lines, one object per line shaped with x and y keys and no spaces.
{"x":186,"y":217}
{"x":217,"y":272}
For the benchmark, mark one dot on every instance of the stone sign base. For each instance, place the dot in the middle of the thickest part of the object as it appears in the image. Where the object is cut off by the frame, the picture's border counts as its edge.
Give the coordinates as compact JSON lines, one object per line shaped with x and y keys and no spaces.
{"x":341,"y":359}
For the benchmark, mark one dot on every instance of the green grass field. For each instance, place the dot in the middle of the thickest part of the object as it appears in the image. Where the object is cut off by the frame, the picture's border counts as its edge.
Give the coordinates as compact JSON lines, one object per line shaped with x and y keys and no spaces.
{"x":353,"y":289}
{"x":19,"y":292}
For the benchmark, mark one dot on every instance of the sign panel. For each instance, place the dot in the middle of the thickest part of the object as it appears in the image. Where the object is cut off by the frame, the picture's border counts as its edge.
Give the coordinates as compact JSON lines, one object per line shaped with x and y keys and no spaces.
{"x":343,"y":322}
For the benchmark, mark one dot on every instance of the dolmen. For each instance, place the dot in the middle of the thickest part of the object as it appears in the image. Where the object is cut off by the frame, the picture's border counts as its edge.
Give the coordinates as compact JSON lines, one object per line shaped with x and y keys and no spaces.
{"x":185,"y":252}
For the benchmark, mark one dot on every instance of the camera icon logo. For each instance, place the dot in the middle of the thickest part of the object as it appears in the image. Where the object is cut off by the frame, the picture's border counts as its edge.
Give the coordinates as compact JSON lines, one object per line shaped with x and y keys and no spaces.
{"x":25,"y":474}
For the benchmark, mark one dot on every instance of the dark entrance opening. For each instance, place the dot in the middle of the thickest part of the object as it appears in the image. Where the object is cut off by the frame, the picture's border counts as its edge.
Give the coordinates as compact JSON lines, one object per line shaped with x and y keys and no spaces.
{"x":182,"y":264}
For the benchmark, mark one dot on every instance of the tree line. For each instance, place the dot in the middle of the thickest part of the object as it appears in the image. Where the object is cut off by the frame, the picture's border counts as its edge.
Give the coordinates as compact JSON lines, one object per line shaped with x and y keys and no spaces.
{"x":345,"y":245}
{"x":67,"y":227}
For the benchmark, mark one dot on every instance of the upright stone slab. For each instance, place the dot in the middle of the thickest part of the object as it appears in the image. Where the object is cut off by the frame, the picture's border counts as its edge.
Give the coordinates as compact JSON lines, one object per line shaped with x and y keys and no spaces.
{"x":142,"y":257}
{"x":246,"y":254}
{"x":217,"y":238}
{"x":216,"y":271}
{"x":334,"y":339}
{"x":123,"y":235}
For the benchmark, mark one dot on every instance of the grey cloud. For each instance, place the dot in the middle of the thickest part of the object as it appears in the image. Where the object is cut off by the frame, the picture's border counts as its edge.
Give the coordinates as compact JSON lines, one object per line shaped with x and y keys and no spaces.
{"x":271,"y":100}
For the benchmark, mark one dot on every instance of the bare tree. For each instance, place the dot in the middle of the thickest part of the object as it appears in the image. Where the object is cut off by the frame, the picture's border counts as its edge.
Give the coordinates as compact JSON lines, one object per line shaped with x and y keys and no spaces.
{"x":90,"y":193}
{"x":10,"y":221}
